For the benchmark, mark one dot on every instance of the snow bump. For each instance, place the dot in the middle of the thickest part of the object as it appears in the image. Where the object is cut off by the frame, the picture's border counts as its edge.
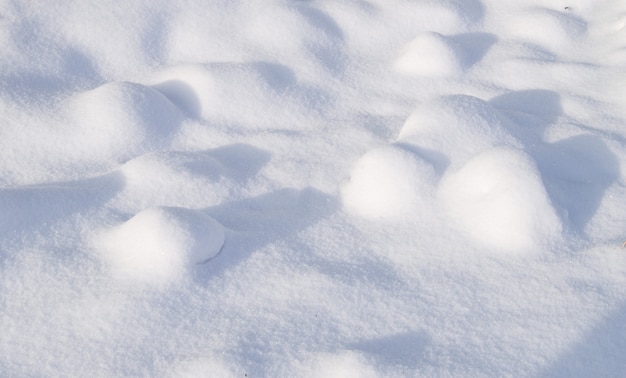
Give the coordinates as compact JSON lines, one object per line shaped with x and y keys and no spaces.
{"x":389,"y":182}
{"x":160,"y":245}
{"x":549,"y":28}
{"x":119,"y":120}
{"x":498,"y":200}
{"x":430,"y":54}
{"x":343,"y":363}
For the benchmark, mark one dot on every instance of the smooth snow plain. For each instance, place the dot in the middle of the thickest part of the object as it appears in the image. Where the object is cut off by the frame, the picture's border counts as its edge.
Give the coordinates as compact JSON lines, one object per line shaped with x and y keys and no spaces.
{"x":282,"y":188}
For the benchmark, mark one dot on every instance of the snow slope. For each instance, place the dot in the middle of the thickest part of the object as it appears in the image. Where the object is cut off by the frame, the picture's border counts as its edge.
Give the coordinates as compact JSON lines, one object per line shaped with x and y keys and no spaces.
{"x":313,"y":188}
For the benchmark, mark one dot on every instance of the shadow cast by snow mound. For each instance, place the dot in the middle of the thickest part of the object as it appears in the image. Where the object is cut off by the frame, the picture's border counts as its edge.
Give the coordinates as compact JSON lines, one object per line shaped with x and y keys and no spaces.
{"x":475,"y":46}
{"x":181,"y":94}
{"x":402,"y":349}
{"x":577,"y":170}
{"x":258,"y":221}
{"x":278,"y":76}
{"x":219,"y":92}
{"x":533,"y":108}
{"x":73,"y":71}
{"x":39,"y":206}
{"x":599,"y":354}
{"x":472,"y":10}
{"x":189,"y":179}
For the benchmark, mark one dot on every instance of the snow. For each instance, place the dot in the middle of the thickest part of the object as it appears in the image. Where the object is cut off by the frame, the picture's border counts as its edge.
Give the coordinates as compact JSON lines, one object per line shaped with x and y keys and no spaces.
{"x":159,"y":245}
{"x":498,"y":199}
{"x":430,"y":54}
{"x":455,"y":128}
{"x":313,"y":188}
{"x":389,"y":182}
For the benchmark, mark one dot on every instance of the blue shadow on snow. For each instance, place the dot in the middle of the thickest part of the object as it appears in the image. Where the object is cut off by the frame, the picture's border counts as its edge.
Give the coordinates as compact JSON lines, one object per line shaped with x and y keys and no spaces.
{"x":601,"y":353}
{"x":577,"y":170}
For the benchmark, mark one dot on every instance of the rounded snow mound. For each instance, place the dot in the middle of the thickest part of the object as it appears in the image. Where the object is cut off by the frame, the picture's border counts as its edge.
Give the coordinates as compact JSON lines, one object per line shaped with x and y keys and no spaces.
{"x":159,"y":245}
{"x":344,"y":363}
{"x":122,"y":119}
{"x":547,"y":27}
{"x":430,"y":54}
{"x":456,"y":126}
{"x":498,"y":199}
{"x":198,"y":367}
{"x":389,"y":182}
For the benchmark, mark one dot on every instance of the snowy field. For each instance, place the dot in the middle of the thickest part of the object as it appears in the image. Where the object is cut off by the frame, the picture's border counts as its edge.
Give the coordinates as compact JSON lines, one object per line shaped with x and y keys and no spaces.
{"x":323,"y":188}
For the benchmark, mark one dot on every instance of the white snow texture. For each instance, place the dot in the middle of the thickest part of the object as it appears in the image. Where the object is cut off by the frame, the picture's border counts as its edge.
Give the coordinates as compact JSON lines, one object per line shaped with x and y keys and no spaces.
{"x":321,"y":188}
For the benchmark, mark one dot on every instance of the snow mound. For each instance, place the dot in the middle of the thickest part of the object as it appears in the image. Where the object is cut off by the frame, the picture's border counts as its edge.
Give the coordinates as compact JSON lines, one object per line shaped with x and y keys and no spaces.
{"x":456,"y":128}
{"x":389,"y":182}
{"x":200,"y":367}
{"x":498,"y":199}
{"x":546,"y":27}
{"x":160,"y":245}
{"x":276,"y":188}
{"x":234,"y":93}
{"x":119,"y":120}
{"x":341,"y":364}
{"x":430,"y":54}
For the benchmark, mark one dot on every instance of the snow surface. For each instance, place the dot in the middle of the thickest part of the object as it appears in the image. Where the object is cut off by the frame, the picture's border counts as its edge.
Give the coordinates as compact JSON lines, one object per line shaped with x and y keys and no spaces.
{"x":313,"y":188}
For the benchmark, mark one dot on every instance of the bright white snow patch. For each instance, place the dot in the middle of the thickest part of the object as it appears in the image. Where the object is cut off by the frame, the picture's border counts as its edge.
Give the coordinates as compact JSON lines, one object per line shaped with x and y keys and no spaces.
{"x":547,"y":27}
{"x":200,"y":368}
{"x":341,"y":364}
{"x":159,"y":245}
{"x":430,"y":54}
{"x":389,"y":182}
{"x":498,"y":199}
{"x":118,"y":120}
